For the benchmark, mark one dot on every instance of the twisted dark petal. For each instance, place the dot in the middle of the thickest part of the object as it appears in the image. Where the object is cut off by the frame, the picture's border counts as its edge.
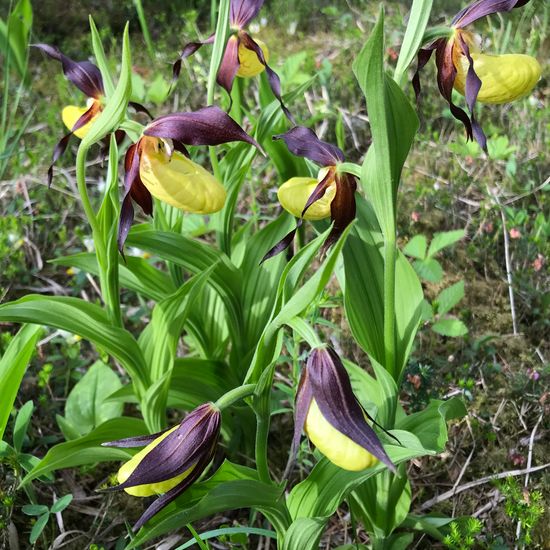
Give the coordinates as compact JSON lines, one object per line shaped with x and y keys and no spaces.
{"x":342,"y":207}
{"x":283,"y":244}
{"x":207,"y":126}
{"x":83,"y":74}
{"x":189,"y":49}
{"x":180,"y":450}
{"x":482,"y":8}
{"x":229,"y":65}
{"x":332,"y":391}
{"x":424,"y":55}
{"x":319,"y":190}
{"x":139,"y":108}
{"x":62,"y":144}
{"x":303,"y":142}
{"x":131,"y":165}
{"x":274,"y":81}
{"x":473,"y":85}
{"x":243,"y":11}
{"x":446,"y":74}
{"x":141,"y":195}
{"x":304,"y":395}
{"x":128,"y":442}
{"x":169,"y":496}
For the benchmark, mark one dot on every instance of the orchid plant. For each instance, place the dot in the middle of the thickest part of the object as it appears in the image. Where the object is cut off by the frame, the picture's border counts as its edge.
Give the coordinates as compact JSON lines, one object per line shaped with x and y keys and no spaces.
{"x":234,"y":300}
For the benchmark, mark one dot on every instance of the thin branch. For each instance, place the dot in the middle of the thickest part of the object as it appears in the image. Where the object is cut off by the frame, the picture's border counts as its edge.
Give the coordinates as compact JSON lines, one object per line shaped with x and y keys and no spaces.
{"x":471,"y":484}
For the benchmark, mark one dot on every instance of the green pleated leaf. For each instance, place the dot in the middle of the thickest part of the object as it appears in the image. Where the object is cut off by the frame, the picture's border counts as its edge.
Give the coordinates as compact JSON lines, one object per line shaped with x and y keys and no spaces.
{"x":382,"y":502}
{"x":115,"y":110}
{"x":206,"y":326}
{"x":196,"y":256}
{"x":230,"y":488}
{"x":101,"y":59}
{"x":13,"y":365}
{"x":21,"y":424}
{"x":84,"y":319}
{"x":88,"y":449}
{"x":135,"y":274}
{"x":159,"y":343}
{"x":304,"y":534}
{"x":393,"y":124}
{"x":290,"y":302}
{"x":364,"y":291}
{"x":259,"y":280}
{"x":416,"y":26}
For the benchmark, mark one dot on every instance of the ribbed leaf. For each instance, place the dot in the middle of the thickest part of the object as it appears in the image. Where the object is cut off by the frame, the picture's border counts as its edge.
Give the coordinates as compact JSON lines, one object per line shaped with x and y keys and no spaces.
{"x":84,"y":319}
{"x":88,"y":449}
{"x":101,"y":59}
{"x":304,"y":534}
{"x":115,"y":110}
{"x":417,"y":22}
{"x":195,"y":257}
{"x":393,"y":124}
{"x":13,"y":365}
{"x":135,"y":274}
{"x":231,"y":487}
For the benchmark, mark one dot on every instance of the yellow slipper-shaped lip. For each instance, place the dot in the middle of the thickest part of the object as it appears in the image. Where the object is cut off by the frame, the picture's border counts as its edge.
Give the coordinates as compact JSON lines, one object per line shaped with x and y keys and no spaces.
{"x":295,"y":192}
{"x":71,"y":113}
{"x":504,"y":78}
{"x":179,"y":181}
{"x":249,"y":64}
{"x":336,"y":446}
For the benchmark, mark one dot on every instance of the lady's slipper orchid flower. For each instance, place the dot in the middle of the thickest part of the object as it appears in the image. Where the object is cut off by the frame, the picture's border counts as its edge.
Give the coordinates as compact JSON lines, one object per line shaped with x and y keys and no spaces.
{"x":158,"y":164}
{"x":244,"y":56}
{"x":87,"y":78}
{"x":476,"y":75}
{"x":334,"y":421}
{"x":331,"y":194}
{"x":171,"y":461}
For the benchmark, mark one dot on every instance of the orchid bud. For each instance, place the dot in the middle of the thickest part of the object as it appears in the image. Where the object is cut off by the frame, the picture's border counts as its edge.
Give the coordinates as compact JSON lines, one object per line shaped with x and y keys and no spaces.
{"x":171,"y":461}
{"x":331,"y":416}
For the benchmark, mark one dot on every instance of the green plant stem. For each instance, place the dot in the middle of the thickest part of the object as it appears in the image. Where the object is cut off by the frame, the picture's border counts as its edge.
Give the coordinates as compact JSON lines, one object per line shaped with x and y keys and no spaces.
{"x":145,"y":29}
{"x":235,"y":395}
{"x":262,"y":433}
{"x":85,"y":199}
{"x":111,"y":302}
{"x":236,"y":96}
{"x":390,"y":256}
{"x":222,"y":28}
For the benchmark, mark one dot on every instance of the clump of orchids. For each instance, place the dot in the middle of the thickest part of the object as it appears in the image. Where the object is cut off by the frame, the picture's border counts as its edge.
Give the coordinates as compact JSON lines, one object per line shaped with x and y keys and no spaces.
{"x":158,"y":166}
{"x":326,"y":410}
{"x":463,"y":66}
